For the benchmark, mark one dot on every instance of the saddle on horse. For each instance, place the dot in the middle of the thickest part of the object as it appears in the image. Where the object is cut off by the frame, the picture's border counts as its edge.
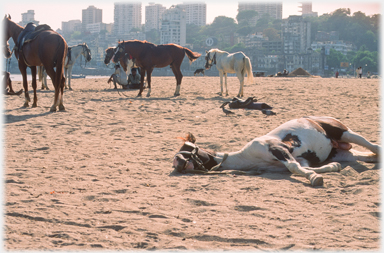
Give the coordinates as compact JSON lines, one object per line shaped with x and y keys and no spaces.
{"x":30,"y":32}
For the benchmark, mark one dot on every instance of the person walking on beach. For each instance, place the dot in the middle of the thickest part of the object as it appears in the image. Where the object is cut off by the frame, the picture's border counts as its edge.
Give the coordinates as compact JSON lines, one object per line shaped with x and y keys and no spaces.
{"x":360,"y":72}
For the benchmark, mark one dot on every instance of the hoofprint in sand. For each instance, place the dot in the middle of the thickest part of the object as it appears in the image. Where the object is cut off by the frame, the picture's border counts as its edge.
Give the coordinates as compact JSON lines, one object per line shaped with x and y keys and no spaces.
{"x":99,"y":175}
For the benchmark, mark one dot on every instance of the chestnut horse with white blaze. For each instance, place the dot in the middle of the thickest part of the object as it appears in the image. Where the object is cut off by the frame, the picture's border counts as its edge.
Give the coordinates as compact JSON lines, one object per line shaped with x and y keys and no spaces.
{"x":149,"y":56}
{"x":299,"y":145}
{"x":45,"y":48}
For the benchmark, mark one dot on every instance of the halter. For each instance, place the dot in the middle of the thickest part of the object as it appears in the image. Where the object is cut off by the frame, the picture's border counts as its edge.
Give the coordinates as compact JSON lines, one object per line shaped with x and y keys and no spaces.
{"x":192,"y":157}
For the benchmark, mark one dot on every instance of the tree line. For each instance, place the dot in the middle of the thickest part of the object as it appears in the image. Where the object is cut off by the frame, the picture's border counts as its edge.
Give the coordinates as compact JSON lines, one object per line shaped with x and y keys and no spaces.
{"x":357,"y":28}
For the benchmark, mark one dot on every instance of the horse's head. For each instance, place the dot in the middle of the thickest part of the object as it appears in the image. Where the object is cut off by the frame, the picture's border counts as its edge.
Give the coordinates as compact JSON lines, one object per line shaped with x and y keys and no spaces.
{"x":119,"y":52}
{"x":7,"y":51}
{"x":210,"y":59}
{"x":190,"y":157}
{"x":86,"y":52}
{"x":109,"y":52}
{"x":6,"y":23}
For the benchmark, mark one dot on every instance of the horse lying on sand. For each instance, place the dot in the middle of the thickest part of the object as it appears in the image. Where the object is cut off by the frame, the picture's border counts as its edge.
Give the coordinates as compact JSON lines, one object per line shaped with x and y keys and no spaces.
{"x":225,"y":63}
{"x":298,"y":145}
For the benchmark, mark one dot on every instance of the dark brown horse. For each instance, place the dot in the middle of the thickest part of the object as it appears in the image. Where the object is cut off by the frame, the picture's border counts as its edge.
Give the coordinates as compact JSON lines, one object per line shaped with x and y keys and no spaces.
{"x":149,"y":56}
{"x":48,"y":49}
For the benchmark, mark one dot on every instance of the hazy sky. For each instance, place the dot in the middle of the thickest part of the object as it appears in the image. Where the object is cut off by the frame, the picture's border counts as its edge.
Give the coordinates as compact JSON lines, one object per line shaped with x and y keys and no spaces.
{"x":53,"y":13}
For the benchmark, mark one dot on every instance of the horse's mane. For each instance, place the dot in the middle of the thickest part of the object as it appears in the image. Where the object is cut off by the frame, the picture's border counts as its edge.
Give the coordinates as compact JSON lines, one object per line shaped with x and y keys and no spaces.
{"x":136,"y":41}
{"x":216,"y":50}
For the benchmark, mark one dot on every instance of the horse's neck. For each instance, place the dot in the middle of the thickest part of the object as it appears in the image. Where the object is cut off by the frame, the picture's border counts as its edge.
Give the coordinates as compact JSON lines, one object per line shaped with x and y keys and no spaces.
{"x":76,"y":51}
{"x":236,"y":161}
{"x":16,"y":30}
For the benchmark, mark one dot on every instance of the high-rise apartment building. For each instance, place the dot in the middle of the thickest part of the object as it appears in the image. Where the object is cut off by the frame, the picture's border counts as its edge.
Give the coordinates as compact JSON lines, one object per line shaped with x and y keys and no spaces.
{"x":91,"y":15}
{"x":153,"y":15}
{"x":296,"y":35}
{"x":126,"y":17}
{"x":275,"y":10}
{"x":306,"y":10}
{"x":28,"y":17}
{"x":173,"y":26}
{"x":195,"y":13}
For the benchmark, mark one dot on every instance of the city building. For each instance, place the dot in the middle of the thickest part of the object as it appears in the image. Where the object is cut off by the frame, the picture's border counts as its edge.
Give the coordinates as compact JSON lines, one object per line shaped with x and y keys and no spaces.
{"x":173,"y":26}
{"x":274,"y":10}
{"x":339,"y":46}
{"x":195,"y":13}
{"x":296,"y":35}
{"x":306,"y":10}
{"x":28,"y":17}
{"x":91,"y":15}
{"x":71,"y":26}
{"x":126,"y":17}
{"x":153,"y":15}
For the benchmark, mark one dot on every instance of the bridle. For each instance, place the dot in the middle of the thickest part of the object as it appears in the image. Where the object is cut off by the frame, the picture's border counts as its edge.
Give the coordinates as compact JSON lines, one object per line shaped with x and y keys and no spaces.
{"x":213,"y":61}
{"x":191,"y":156}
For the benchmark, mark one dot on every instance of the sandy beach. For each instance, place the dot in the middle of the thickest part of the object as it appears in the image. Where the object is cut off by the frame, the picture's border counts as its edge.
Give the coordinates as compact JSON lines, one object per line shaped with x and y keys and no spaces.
{"x":99,"y":175}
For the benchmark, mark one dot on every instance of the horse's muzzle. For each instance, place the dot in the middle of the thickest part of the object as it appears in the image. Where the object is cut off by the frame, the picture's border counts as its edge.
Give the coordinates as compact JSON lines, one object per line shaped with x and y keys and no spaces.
{"x":181,"y":164}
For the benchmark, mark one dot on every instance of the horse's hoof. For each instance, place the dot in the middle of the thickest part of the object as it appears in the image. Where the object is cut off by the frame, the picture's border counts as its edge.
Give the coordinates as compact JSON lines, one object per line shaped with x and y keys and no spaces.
{"x":138,"y":95}
{"x":53,"y":108}
{"x":26,"y":105}
{"x":61,"y":108}
{"x":316,"y":180}
{"x":176,"y":94}
{"x":34,"y":105}
{"x":334,"y":167}
{"x":148,"y":95}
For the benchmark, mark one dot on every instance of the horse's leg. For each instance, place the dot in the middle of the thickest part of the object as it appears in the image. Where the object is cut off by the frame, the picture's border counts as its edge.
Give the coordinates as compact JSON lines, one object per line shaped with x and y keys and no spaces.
{"x":179,"y":76}
{"x":52,"y":74}
{"x":61,"y":105}
{"x":34,"y":85}
{"x":284,"y":156}
{"x":149,"y":73}
{"x":23,"y":71}
{"x":69,"y":77}
{"x":142,"y":73}
{"x":66,"y":77}
{"x":221,"y":82}
{"x":241,"y":76}
{"x":226,"y":87}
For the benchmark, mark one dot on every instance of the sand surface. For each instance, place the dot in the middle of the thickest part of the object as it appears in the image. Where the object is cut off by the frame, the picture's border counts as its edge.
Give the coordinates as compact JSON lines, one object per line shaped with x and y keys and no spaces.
{"x":98,"y":176}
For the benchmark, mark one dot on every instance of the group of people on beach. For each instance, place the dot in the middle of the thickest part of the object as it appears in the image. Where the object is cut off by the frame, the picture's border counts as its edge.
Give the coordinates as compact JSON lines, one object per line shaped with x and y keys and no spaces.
{"x":120,"y":77}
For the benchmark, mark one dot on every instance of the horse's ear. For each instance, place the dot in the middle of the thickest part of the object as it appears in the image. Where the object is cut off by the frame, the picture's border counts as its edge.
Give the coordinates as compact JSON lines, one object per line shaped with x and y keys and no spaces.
{"x":191,"y":138}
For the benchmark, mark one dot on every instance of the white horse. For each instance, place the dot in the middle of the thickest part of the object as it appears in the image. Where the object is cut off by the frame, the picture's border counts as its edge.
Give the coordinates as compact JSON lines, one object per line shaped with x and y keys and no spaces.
{"x":297,"y":145}
{"x":73,"y":53}
{"x":225,"y":63}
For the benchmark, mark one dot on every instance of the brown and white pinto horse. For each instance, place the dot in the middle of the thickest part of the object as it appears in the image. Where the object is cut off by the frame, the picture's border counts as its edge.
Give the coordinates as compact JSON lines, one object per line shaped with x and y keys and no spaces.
{"x":149,"y":56}
{"x":48,"y":49}
{"x":298,"y":145}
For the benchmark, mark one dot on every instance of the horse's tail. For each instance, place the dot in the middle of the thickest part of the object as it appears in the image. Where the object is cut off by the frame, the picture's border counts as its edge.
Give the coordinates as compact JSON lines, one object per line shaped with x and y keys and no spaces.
{"x":191,"y":55}
{"x":248,"y":69}
{"x":60,"y":58}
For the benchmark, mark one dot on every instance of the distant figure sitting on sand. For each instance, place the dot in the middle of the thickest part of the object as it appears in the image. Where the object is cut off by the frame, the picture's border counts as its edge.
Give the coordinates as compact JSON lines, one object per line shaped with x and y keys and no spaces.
{"x":134,"y":79}
{"x":119,"y":77}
